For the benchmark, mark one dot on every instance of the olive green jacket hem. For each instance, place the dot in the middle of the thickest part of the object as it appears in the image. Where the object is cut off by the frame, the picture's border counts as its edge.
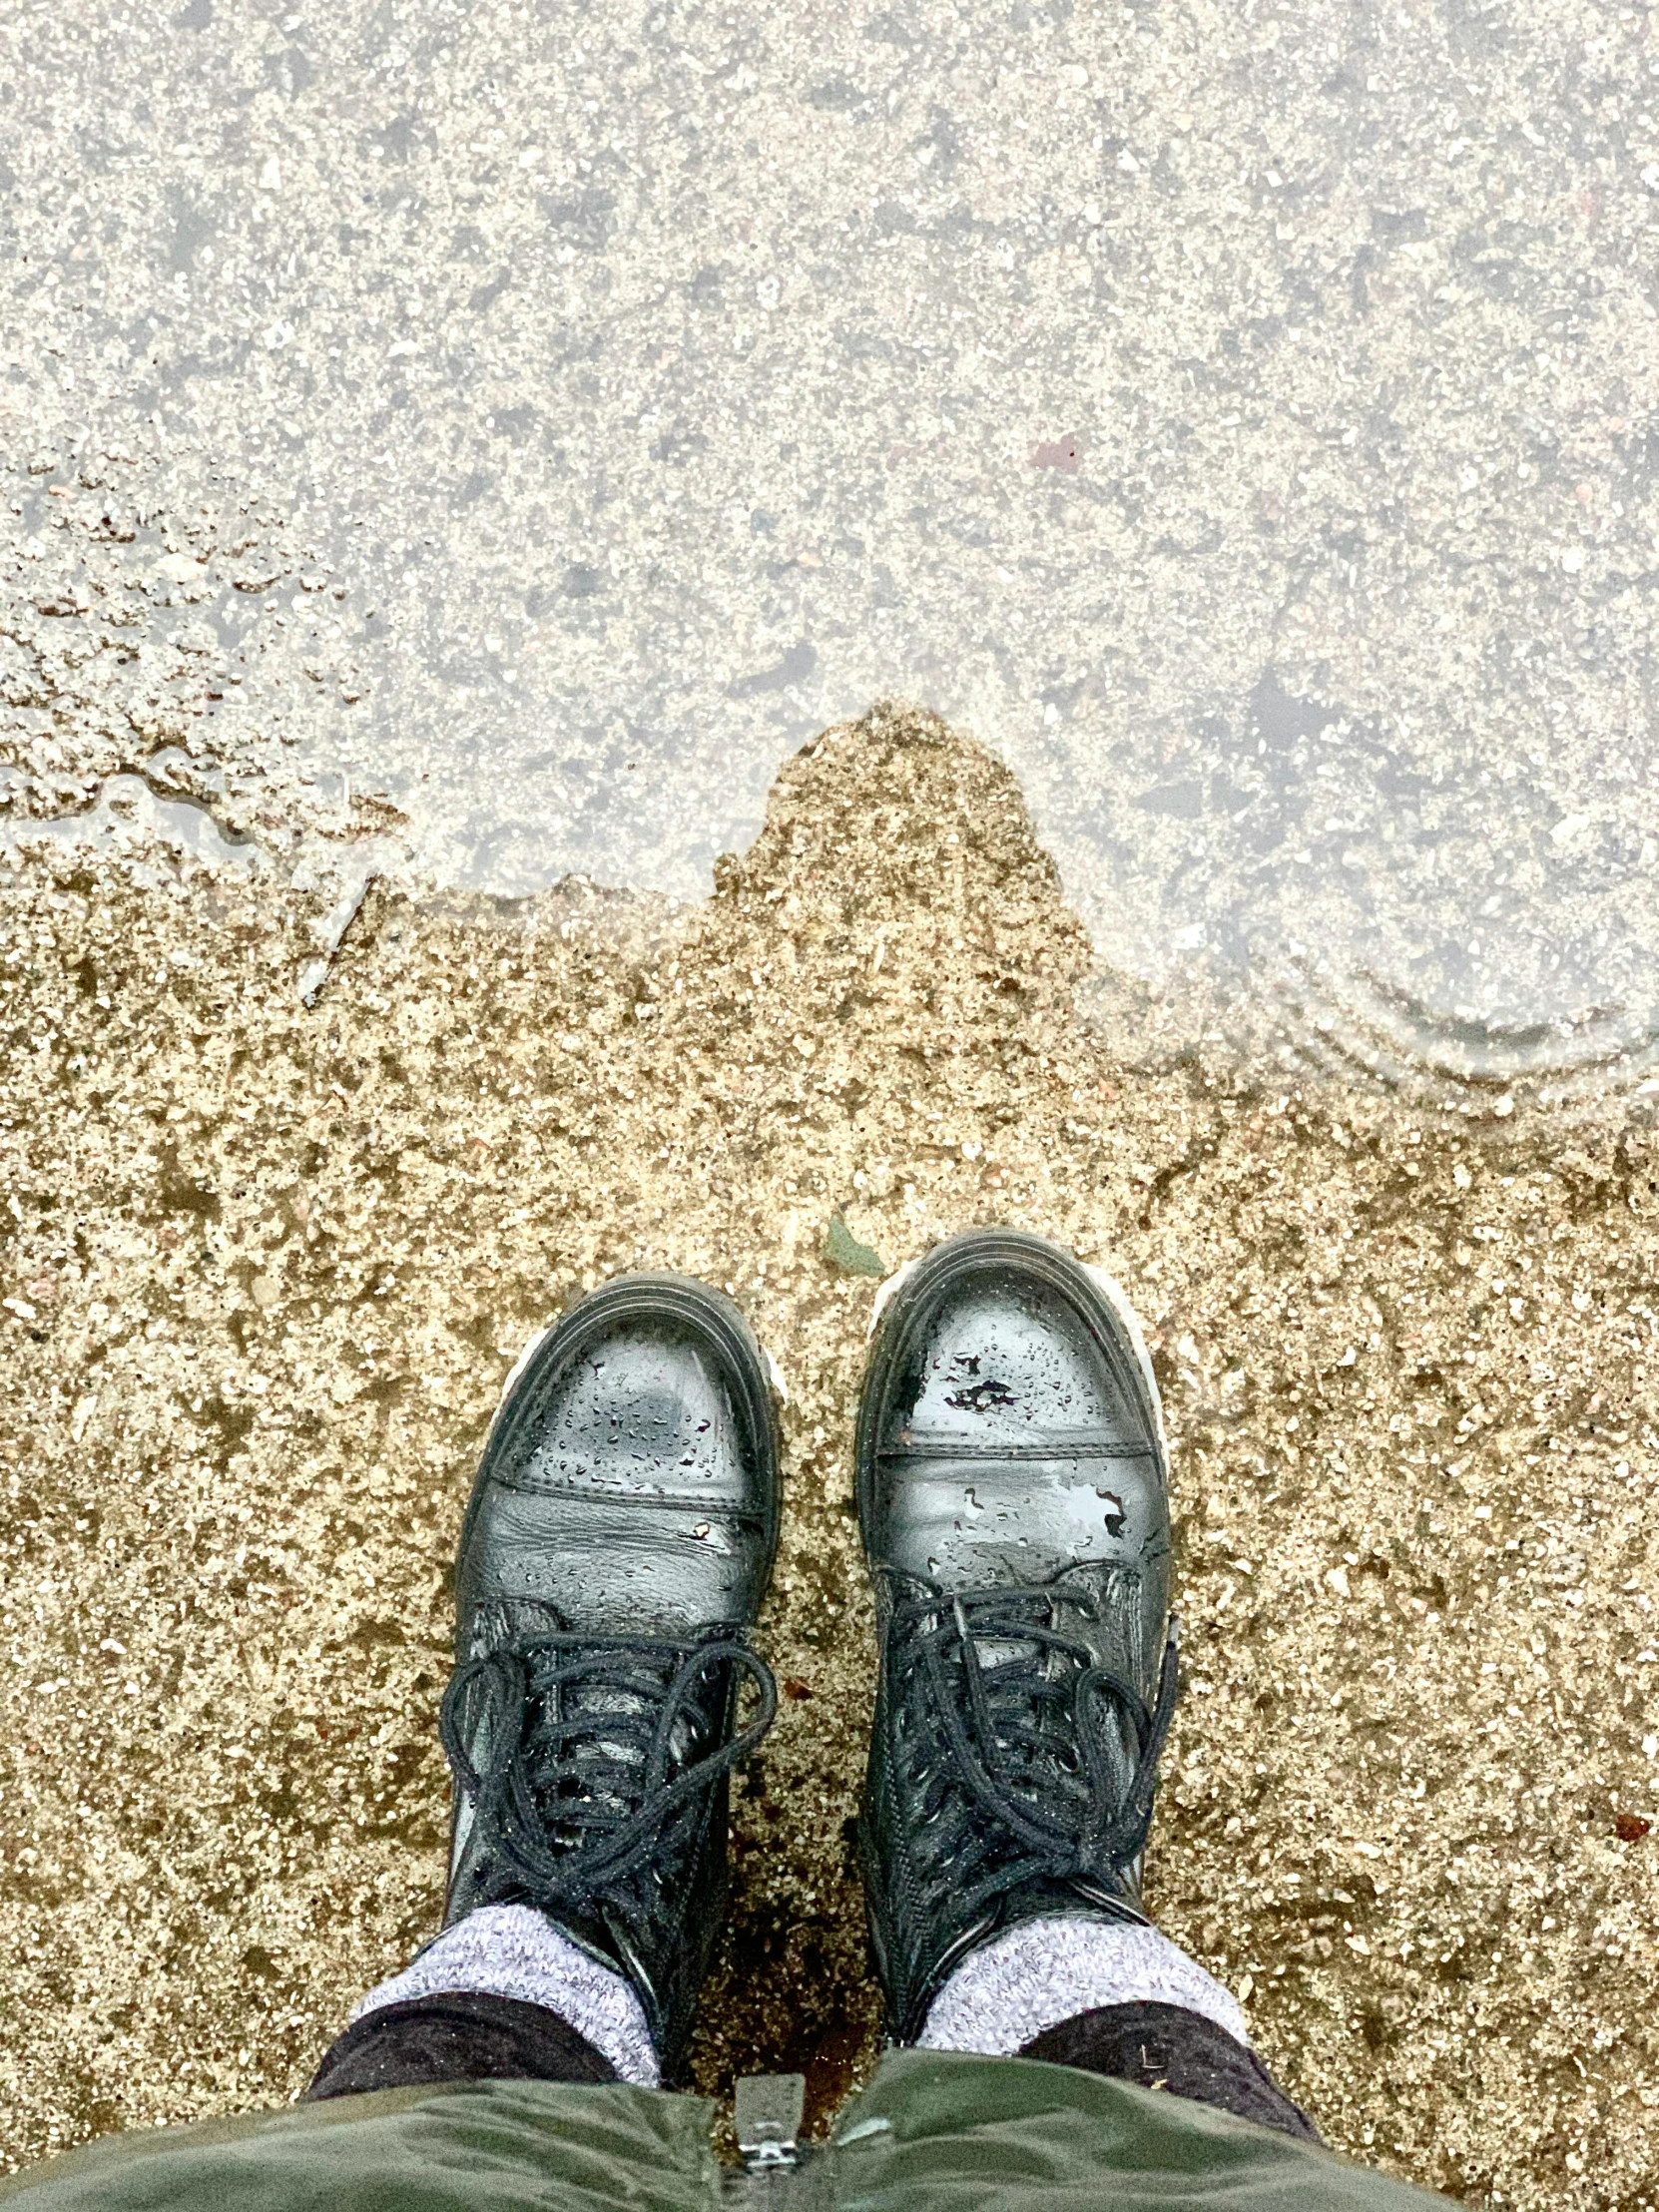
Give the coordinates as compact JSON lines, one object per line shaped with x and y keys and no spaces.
{"x":935,"y":2132}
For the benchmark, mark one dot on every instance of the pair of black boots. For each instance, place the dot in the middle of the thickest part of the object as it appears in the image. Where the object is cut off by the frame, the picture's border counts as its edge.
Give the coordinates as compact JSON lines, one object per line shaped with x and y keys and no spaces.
{"x":1011,"y":1484}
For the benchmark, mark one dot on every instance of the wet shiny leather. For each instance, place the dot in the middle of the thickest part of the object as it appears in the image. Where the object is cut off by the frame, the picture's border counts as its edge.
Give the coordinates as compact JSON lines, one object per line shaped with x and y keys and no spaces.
{"x":630,"y":1479}
{"x":628,"y":1489}
{"x":1008,"y":1433}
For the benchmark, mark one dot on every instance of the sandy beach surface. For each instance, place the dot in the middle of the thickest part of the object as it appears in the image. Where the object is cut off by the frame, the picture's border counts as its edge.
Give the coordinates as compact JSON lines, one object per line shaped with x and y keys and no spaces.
{"x":265,"y":1266}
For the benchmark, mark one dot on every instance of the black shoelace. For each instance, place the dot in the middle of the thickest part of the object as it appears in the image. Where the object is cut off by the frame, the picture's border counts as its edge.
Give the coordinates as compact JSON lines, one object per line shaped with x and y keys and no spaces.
{"x":1038,"y":1762}
{"x":586,"y":1760}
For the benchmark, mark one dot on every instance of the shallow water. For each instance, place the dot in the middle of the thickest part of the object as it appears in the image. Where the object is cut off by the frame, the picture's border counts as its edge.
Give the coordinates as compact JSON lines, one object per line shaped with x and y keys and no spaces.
{"x":1237,"y":417}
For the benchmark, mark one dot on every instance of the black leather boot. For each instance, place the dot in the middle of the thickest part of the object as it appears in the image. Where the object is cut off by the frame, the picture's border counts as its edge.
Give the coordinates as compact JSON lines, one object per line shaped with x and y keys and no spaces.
{"x":1013,"y":1490}
{"x":613,"y":1561}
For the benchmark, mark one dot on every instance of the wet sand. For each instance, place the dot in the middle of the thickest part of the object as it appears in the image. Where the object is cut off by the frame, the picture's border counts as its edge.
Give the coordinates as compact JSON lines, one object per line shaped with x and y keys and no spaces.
{"x":264,"y":1270}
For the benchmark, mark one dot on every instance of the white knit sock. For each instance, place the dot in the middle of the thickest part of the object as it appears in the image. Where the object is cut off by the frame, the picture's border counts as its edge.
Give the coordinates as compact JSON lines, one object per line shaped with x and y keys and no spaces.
{"x":1041,"y":1972}
{"x":511,"y":1950}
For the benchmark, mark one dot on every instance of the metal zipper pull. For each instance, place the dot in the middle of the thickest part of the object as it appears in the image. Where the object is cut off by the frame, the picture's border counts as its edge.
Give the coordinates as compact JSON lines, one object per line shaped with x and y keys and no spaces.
{"x":768,"y":2110}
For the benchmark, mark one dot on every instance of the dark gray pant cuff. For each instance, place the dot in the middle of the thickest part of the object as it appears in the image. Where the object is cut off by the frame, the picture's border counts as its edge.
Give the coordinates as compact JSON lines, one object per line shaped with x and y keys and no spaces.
{"x":1163,"y":2046}
{"x":465,"y":2036}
